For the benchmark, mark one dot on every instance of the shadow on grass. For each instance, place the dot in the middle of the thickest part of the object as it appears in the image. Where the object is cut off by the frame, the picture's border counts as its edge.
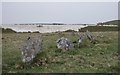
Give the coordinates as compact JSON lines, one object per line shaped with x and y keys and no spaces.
{"x":111,"y":70}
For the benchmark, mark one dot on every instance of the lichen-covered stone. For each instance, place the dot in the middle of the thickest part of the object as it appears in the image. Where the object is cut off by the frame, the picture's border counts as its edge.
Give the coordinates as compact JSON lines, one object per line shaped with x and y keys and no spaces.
{"x":90,"y":36}
{"x":84,"y":36}
{"x":31,"y":48}
{"x":64,"y":43}
{"x":81,"y":39}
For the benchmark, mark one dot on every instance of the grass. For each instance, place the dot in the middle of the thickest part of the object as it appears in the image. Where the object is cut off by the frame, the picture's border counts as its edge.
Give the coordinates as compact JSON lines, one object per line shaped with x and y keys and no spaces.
{"x":90,"y":58}
{"x":99,"y":29}
{"x":8,"y":30}
{"x":113,"y":22}
{"x":0,"y":52}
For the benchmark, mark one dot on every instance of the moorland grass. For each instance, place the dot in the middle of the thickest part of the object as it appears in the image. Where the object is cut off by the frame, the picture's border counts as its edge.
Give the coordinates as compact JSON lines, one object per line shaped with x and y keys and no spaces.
{"x":90,"y":58}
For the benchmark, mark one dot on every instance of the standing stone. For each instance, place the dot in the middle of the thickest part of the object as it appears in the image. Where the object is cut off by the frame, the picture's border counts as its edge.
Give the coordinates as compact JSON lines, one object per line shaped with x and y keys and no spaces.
{"x":81,"y":39}
{"x":64,"y":43}
{"x":31,"y":48}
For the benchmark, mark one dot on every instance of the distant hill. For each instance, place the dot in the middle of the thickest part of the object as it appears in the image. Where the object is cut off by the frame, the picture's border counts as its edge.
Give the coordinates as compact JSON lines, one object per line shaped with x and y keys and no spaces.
{"x":8,"y":30}
{"x":98,"y":28}
{"x":113,"y":22}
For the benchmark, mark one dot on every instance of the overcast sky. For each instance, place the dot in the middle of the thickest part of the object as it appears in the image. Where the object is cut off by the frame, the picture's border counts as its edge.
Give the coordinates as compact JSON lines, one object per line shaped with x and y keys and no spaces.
{"x":65,"y":12}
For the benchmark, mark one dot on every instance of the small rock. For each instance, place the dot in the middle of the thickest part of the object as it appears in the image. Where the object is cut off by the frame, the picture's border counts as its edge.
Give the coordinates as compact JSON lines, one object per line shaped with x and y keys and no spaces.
{"x":102,"y":53}
{"x":108,"y":65}
{"x":19,"y":66}
{"x":2,"y":38}
{"x":90,"y":54}
{"x":92,"y":64}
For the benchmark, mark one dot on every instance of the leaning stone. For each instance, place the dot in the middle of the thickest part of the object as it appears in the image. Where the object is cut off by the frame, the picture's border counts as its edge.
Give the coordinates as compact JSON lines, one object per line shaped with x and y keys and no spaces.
{"x":85,"y":36}
{"x":90,"y":36}
{"x":31,"y":48}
